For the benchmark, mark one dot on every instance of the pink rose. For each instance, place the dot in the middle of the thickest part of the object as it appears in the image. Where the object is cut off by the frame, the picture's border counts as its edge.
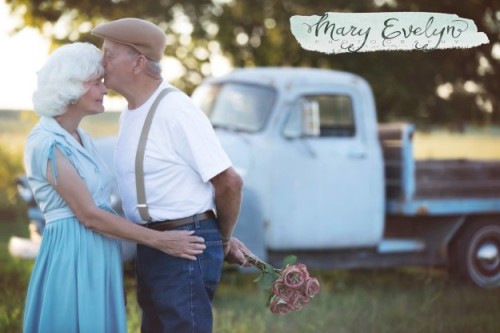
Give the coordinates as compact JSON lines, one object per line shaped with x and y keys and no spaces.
{"x":292,"y":286}
{"x":279,"y":306}
{"x":281,"y":290}
{"x":298,"y":300}
{"x":311,"y":287}
{"x":294,"y":276}
{"x":303,"y":269}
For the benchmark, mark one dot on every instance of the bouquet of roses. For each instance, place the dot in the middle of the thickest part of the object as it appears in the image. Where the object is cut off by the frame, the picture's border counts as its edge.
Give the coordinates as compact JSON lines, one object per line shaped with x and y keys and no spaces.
{"x":291,"y":286}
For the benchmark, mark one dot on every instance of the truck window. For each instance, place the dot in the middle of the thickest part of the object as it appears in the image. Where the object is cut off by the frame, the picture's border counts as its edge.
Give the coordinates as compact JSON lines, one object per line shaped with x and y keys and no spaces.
{"x":336,"y":117}
{"x":235,"y":106}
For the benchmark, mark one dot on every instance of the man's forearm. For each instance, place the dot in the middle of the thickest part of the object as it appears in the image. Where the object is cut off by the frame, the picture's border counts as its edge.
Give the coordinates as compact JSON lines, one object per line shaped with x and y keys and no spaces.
{"x":228,"y":205}
{"x":228,"y":193}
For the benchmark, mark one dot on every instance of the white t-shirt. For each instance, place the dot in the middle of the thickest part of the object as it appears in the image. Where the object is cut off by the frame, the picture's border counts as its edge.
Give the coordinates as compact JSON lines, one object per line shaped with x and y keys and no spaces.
{"x":182,"y":155}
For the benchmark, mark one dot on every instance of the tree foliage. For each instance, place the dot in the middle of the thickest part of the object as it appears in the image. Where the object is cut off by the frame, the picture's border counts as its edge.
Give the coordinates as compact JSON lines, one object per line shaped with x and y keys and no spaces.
{"x":257,"y":33}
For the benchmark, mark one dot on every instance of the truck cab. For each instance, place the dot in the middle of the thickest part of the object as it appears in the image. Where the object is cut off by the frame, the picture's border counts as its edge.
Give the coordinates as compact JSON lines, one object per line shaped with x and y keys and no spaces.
{"x":305,"y":142}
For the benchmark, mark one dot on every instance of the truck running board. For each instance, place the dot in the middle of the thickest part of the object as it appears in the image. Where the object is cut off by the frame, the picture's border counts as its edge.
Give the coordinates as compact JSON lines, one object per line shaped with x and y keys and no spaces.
{"x":400,"y":245}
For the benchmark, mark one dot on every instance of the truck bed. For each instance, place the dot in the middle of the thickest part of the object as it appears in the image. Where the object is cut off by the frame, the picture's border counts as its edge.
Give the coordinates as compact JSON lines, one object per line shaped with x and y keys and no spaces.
{"x":435,"y":186}
{"x":457,"y":179}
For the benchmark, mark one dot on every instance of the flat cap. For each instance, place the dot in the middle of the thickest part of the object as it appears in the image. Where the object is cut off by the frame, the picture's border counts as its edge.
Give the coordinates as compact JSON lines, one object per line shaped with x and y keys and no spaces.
{"x":144,"y":36}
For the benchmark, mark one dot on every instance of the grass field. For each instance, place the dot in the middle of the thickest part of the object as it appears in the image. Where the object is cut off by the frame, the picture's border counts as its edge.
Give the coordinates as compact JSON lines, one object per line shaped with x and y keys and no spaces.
{"x":474,"y":144}
{"x":406,"y":300}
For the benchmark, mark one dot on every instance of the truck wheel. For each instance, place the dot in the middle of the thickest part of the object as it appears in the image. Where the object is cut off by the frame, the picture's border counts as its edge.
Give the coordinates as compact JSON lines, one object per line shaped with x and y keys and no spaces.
{"x":477,"y":254}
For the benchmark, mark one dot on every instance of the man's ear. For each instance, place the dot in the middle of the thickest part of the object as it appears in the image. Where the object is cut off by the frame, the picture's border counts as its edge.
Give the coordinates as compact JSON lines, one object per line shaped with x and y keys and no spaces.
{"x":140,"y":63}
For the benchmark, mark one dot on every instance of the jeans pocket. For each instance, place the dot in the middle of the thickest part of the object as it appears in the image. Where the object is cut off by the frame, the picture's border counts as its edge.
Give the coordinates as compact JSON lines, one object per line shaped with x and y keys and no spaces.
{"x":212,"y":259}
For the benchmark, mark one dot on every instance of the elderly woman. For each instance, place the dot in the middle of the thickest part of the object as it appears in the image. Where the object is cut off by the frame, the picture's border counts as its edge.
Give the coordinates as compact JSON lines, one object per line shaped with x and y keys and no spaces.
{"x":76,"y":284}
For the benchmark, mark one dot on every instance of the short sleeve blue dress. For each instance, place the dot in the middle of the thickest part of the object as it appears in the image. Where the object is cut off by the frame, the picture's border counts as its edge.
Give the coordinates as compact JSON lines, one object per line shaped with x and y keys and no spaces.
{"x":77,"y":280}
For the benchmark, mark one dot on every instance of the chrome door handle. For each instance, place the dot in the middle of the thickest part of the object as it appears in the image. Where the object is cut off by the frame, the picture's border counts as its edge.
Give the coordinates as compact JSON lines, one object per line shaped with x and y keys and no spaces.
{"x":356,"y":154}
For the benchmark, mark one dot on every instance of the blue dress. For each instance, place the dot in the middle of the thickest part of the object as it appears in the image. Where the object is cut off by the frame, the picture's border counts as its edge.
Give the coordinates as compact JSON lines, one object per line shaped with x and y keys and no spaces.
{"x":77,"y":280}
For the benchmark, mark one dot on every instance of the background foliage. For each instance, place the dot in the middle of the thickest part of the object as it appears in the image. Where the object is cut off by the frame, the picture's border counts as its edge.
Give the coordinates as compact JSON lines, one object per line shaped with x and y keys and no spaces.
{"x":257,"y":33}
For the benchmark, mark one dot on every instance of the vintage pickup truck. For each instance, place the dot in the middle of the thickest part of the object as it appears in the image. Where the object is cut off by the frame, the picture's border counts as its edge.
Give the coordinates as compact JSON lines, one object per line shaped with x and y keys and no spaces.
{"x":323,"y":180}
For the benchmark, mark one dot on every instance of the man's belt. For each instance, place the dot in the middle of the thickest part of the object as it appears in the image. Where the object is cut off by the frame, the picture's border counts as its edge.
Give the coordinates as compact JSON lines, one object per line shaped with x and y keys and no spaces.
{"x":172,"y":224}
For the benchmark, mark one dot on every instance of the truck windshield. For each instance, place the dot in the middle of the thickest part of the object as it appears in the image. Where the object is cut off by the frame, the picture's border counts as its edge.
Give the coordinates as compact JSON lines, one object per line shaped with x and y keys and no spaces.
{"x":235,"y":106}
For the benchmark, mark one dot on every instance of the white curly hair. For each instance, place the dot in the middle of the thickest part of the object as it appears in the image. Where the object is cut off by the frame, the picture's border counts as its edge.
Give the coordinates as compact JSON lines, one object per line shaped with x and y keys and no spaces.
{"x":61,"y":79}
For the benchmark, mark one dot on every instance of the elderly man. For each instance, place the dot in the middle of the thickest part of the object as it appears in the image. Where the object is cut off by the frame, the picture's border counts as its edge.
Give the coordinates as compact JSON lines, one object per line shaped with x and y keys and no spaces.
{"x":187,"y":181}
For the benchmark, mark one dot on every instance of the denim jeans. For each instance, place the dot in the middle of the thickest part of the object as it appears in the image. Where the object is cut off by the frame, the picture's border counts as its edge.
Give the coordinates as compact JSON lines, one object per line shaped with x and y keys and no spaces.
{"x":176,"y":294}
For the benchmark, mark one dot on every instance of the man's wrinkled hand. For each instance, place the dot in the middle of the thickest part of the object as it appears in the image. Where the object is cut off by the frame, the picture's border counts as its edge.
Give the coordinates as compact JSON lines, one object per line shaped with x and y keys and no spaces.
{"x":235,"y":251}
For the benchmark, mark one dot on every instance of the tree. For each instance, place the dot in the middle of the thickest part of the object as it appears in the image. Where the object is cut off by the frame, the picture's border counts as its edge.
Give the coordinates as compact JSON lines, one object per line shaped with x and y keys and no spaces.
{"x":187,"y":25}
{"x":405,"y":83}
{"x":257,"y":33}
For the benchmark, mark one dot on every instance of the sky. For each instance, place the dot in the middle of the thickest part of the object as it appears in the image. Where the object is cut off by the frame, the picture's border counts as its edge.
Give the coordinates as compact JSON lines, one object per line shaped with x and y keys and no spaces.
{"x":21,"y":55}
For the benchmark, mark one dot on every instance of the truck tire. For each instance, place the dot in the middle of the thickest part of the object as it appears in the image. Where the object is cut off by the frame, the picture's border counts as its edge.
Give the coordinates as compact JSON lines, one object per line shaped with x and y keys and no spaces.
{"x":476,"y":254}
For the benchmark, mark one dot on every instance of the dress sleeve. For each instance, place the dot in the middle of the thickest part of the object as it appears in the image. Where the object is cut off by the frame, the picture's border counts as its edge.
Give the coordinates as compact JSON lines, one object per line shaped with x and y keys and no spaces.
{"x":40,"y":152}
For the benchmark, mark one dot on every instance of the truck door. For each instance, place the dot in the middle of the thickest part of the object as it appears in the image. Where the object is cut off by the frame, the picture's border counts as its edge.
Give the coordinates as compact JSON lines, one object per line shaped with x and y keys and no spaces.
{"x":327,"y":189}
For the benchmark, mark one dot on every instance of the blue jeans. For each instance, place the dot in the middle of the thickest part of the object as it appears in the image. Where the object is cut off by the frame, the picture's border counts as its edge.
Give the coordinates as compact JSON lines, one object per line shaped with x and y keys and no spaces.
{"x":176,"y":294}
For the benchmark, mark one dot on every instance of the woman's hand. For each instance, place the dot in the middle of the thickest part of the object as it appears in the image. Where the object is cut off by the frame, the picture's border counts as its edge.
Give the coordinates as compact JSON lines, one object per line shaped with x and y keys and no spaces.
{"x":180,"y":243}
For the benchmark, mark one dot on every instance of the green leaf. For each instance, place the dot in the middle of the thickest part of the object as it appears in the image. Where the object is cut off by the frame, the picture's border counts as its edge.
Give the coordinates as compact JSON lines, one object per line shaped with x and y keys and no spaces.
{"x":289,"y":261}
{"x":267,"y":280}
{"x":269,"y":268}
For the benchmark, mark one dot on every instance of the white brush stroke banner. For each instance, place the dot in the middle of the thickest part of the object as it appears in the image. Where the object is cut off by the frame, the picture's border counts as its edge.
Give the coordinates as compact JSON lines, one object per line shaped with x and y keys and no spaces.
{"x":367,"y":32}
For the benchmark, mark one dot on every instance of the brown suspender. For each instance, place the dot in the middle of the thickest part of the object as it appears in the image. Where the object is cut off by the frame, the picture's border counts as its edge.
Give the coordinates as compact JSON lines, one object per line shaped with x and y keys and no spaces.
{"x":139,"y":157}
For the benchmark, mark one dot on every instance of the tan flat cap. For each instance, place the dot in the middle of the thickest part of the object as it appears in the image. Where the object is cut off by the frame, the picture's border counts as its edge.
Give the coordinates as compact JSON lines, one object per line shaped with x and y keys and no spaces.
{"x":144,"y":36}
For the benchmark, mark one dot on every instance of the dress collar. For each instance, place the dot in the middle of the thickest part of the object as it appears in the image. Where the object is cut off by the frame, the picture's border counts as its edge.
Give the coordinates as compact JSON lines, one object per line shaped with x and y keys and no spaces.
{"x":51,"y":125}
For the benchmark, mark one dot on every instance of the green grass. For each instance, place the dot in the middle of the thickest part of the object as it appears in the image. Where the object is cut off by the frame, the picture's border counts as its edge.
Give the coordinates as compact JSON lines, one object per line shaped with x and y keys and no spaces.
{"x":14,"y":275}
{"x":393,"y":300}
{"x":406,"y":300}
